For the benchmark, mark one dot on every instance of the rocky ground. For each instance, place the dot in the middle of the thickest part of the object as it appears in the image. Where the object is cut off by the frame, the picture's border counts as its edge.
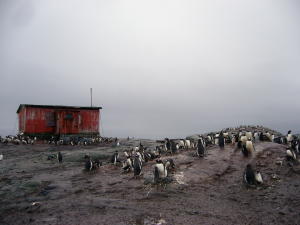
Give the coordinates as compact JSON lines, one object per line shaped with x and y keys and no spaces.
{"x":34,"y":190}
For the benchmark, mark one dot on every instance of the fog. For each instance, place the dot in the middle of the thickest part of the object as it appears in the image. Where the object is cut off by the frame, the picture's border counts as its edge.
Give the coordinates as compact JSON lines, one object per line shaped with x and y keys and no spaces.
{"x":158,"y":68}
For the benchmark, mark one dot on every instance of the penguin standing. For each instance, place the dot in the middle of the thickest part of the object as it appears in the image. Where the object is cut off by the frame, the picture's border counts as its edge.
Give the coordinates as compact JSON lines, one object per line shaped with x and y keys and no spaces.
{"x":127,"y":164}
{"x":88,"y":164}
{"x":261,"y":136}
{"x":173,"y":147}
{"x":249,"y":175}
{"x":258,"y":178}
{"x":137,"y":166}
{"x":115,"y":158}
{"x":250,"y":146}
{"x":169,"y":164}
{"x":245,"y":151}
{"x":59,"y":157}
{"x":200,"y":148}
{"x":167,"y":145}
{"x":291,"y":155}
{"x":160,"y":171}
{"x":221,"y":140}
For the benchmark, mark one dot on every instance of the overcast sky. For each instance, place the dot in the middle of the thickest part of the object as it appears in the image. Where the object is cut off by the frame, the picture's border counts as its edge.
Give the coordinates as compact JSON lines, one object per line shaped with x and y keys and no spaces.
{"x":158,"y":68}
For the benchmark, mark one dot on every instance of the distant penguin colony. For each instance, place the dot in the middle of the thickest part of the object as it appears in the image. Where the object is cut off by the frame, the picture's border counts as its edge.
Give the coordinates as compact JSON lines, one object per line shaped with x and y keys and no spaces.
{"x":135,"y":159}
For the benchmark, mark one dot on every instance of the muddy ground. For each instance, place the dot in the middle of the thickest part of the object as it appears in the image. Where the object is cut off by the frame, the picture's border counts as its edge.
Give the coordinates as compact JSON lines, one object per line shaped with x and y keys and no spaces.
{"x":34,"y":190}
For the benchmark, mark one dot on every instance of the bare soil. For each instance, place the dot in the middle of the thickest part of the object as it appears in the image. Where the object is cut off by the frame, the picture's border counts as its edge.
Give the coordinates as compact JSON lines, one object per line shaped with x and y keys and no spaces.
{"x":34,"y":190}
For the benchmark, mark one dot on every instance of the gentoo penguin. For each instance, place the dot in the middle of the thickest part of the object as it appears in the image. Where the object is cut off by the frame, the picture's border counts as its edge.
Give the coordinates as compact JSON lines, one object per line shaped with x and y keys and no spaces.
{"x":256,"y":136}
{"x":173,"y":147}
{"x":240,"y":144}
{"x":167,"y":145}
{"x":261,"y":136}
{"x":291,"y":155}
{"x":200,"y":148}
{"x":249,"y":146}
{"x":59,"y":157}
{"x":269,"y":136}
{"x":245,"y":151}
{"x":97,"y":164}
{"x":160,"y":171}
{"x":137,"y":165}
{"x":249,"y":175}
{"x":169,"y":164}
{"x":127,"y":164}
{"x":289,"y":137}
{"x":258,"y":178}
{"x":115,"y":158}
{"x":243,"y":139}
{"x":221,"y":140}
{"x":88,"y":164}
{"x":249,"y":135}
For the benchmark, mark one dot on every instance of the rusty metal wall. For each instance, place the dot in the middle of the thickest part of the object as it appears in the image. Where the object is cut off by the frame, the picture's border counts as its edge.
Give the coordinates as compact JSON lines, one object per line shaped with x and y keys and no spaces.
{"x":56,"y":121}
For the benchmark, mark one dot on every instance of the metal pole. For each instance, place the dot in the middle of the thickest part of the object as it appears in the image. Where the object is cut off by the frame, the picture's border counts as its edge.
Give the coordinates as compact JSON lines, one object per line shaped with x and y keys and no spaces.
{"x":91,"y":97}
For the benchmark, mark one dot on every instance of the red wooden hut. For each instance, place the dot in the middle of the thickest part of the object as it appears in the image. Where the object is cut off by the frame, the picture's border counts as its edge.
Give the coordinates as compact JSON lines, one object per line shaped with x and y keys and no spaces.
{"x":45,"y":120}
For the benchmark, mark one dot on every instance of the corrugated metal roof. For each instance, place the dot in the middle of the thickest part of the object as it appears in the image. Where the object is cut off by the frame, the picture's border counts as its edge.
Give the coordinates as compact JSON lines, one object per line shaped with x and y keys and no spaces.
{"x":57,"y":107}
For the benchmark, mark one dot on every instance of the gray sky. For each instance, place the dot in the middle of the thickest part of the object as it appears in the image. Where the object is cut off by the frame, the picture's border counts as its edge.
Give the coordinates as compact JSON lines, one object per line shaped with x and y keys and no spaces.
{"x":158,"y":68}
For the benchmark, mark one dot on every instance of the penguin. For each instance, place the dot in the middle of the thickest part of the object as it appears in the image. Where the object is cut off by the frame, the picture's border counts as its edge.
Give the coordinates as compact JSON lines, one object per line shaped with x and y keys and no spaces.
{"x":261,"y":136}
{"x":256,"y":136}
{"x":284,"y":140}
{"x":200,"y":148}
{"x":59,"y":157}
{"x":291,"y":155}
{"x":236,"y":138}
{"x":239,"y":145}
{"x":295,"y":145}
{"x":249,"y":175}
{"x":221,"y":140}
{"x":167,"y":145}
{"x":245,"y":151}
{"x":173,"y":147}
{"x":249,"y":135}
{"x":88,"y":164}
{"x":249,"y":146}
{"x":258,"y":178}
{"x":115,"y":158}
{"x":160,"y":171}
{"x":289,"y":136}
{"x":169,"y":164}
{"x":127,"y":164}
{"x":137,"y":166}
{"x":1,"y":157}
{"x":268,"y":136}
{"x":96,"y":164}
{"x":243,"y":139}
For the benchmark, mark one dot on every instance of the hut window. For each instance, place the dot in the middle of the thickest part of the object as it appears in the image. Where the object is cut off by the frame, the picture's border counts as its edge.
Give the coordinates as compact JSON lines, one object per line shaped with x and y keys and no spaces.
{"x":68,"y":116}
{"x":50,"y":119}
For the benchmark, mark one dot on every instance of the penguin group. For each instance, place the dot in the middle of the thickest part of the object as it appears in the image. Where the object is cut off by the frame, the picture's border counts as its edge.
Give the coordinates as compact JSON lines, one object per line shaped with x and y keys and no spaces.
{"x":91,"y":164}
